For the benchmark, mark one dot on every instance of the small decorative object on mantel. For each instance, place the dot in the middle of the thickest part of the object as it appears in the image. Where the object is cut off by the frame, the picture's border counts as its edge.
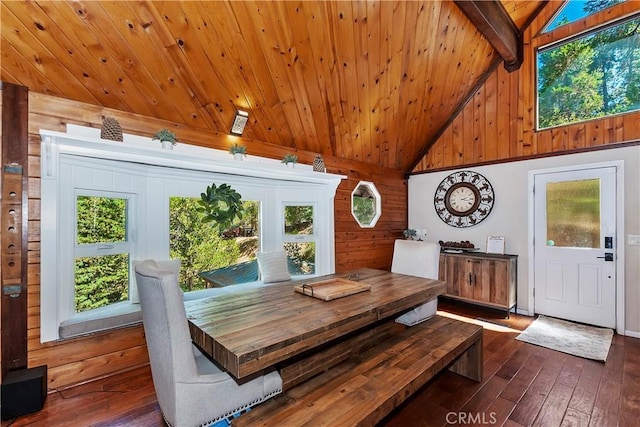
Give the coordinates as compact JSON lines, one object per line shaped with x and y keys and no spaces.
{"x":318,"y":164}
{"x":410,"y":234}
{"x":238,"y":151}
{"x":111,"y":129}
{"x":290,"y":160}
{"x":166,"y":137}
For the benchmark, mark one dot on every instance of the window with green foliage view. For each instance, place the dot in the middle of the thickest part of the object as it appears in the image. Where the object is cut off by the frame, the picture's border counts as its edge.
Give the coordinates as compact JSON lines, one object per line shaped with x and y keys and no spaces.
{"x":299,"y":239}
{"x":594,"y":75}
{"x":102,"y":251}
{"x":203,"y":247}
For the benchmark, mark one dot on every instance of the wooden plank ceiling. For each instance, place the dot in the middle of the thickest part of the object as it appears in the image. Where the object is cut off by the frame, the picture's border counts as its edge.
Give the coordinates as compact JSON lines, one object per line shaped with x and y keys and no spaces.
{"x":369,"y":81}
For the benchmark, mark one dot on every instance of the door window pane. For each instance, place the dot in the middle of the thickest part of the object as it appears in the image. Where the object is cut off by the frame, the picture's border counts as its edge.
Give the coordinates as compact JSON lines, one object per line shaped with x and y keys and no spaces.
{"x":573,"y":213}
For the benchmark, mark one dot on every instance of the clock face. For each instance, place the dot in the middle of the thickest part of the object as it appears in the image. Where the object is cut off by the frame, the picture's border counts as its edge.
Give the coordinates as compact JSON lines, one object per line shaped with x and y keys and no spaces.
{"x":464,"y":199}
{"x":461,"y":199}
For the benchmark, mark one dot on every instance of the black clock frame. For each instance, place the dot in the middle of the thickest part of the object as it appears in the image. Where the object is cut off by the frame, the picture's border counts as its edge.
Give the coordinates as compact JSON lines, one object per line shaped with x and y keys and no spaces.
{"x":478,"y":184}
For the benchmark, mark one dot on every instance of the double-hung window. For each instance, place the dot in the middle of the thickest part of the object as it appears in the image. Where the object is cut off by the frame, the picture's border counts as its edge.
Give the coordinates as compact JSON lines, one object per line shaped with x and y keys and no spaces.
{"x":299,"y":238}
{"x":103,"y":249}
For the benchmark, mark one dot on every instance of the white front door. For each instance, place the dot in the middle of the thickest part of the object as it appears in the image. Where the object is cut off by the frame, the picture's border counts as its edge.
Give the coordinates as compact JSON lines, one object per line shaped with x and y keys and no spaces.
{"x":575,"y":245}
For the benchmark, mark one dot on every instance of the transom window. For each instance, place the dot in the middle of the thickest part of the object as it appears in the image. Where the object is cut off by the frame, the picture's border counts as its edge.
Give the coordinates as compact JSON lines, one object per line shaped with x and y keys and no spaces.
{"x":577,"y":9}
{"x":593,"y":75}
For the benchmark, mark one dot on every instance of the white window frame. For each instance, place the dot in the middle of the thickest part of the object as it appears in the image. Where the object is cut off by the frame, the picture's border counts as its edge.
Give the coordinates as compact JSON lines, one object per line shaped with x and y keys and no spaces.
{"x":556,"y":44}
{"x":150,"y":176}
{"x":301,"y":238}
{"x":67,"y":300}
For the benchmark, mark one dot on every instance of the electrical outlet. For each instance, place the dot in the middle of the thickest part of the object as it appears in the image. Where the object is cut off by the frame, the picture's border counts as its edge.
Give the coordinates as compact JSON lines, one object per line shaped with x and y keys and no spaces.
{"x":633,"y":239}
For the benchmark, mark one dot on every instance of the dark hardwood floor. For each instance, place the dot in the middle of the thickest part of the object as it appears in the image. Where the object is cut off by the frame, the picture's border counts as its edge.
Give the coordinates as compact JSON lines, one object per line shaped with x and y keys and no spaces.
{"x":523,"y":385}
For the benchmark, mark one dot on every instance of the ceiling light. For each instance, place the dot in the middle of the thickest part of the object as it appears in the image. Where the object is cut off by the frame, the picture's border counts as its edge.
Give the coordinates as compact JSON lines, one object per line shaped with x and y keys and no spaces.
{"x":239,"y":122}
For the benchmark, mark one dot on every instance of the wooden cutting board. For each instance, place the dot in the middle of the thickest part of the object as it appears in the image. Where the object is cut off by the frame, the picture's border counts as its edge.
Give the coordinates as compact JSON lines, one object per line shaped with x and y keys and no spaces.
{"x":329,"y":289}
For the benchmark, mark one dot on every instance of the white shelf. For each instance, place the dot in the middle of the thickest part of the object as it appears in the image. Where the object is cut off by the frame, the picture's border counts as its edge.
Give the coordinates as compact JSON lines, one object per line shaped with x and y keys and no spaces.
{"x":86,"y":142}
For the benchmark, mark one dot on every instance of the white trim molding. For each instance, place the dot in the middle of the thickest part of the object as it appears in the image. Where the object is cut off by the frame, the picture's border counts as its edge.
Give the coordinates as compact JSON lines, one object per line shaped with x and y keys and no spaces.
{"x":620,"y":233}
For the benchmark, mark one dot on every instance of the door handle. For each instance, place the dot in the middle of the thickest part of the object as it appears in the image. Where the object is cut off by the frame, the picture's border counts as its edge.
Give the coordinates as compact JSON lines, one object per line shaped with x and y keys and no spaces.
{"x":608,"y":256}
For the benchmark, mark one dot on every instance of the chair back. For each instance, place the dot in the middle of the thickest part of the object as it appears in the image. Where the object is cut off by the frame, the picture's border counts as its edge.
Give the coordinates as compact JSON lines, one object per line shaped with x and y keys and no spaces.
{"x":166,"y":331}
{"x":416,"y":258}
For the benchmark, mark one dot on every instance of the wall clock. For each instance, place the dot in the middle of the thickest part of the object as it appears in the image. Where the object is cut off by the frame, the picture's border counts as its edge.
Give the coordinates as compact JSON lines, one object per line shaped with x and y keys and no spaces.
{"x":463,"y":199}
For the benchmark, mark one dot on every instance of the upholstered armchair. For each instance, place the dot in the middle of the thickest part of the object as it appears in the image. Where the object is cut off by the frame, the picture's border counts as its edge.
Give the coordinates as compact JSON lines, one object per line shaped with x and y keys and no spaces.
{"x":417,"y":258}
{"x":191,"y":389}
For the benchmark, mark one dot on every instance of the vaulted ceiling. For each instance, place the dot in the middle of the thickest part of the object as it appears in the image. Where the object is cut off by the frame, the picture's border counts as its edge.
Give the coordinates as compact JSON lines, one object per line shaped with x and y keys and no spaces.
{"x":373,"y":81}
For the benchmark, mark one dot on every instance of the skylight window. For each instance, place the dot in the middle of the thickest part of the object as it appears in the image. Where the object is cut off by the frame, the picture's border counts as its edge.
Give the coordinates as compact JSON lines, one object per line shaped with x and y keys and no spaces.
{"x":578,"y":9}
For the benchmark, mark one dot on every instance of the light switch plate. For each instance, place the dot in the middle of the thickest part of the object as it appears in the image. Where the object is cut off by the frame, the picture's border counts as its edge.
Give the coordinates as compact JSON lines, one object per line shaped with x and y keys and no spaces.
{"x":633,"y":239}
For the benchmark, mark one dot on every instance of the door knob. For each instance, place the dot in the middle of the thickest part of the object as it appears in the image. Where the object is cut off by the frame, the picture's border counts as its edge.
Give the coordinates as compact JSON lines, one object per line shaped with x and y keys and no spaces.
{"x":608,"y":256}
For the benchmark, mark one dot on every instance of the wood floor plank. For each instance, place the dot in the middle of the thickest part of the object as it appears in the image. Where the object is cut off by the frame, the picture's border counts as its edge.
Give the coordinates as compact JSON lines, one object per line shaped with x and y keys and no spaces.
{"x":487,"y":394}
{"x":630,"y":404}
{"x":499,"y":411}
{"x":573,"y":418}
{"x":520,"y":383}
{"x":607,"y":403}
{"x":530,"y":404}
{"x":515,"y":363}
{"x":554,"y":406}
{"x":584,"y":394}
{"x":571,"y":371}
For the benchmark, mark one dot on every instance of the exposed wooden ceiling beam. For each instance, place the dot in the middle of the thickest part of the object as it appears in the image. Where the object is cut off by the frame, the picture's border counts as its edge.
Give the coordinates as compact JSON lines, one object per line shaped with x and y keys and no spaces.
{"x":493,"y":21}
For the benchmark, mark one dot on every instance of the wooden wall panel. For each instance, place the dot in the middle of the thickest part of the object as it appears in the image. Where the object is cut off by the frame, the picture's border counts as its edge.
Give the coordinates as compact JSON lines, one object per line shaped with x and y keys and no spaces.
{"x":499,"y":121}
{"x":79,"y":360}
{"x":350,"y":79}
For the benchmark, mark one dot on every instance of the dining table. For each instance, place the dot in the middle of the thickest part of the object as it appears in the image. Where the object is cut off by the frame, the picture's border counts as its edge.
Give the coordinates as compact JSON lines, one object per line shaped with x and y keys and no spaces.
{"x":249,"y":331}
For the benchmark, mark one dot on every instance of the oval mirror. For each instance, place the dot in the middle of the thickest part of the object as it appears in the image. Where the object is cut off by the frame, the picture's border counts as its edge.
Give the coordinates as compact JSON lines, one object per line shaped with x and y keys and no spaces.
{"x":366,"y":204}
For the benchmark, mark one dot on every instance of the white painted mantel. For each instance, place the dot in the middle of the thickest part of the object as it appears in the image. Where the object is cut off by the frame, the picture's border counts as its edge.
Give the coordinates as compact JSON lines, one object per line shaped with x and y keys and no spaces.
{"x":86,"y":142}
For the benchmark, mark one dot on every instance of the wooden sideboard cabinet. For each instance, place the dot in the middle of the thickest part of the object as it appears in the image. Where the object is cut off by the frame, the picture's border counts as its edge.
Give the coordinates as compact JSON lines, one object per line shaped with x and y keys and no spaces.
{"x":479,"y":278}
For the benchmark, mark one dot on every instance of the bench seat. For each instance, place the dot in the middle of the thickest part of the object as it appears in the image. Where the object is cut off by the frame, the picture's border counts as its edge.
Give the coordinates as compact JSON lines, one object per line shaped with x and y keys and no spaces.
{"x":364,"y":388}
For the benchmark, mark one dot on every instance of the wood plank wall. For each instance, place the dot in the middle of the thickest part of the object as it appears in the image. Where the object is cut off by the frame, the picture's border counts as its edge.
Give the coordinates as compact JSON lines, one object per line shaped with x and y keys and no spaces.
{"x":79,"y":360}
{"x":499,"y":122}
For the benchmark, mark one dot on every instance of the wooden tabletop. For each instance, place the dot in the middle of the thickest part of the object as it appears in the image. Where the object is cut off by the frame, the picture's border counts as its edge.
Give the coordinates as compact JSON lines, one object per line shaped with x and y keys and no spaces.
{"x":250,"y":331}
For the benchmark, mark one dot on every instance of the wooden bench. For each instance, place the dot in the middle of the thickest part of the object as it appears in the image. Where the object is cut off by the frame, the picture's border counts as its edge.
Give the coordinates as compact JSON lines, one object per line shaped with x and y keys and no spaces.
{"x":365,"y":387}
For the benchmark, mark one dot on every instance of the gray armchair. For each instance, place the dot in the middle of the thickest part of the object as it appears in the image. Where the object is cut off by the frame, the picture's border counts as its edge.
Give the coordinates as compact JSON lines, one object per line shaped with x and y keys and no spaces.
{"x":191,"y":389}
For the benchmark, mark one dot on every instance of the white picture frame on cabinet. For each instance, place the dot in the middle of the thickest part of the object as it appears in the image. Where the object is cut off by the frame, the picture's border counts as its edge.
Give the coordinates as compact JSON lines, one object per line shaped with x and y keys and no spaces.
{"x":495,"y":245}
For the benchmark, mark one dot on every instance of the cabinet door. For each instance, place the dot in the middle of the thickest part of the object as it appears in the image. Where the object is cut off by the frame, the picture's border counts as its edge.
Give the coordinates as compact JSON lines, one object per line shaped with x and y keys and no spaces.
{"x":454,"y":274}
{"x":474,"y":278}
{"x":494,"y":281}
